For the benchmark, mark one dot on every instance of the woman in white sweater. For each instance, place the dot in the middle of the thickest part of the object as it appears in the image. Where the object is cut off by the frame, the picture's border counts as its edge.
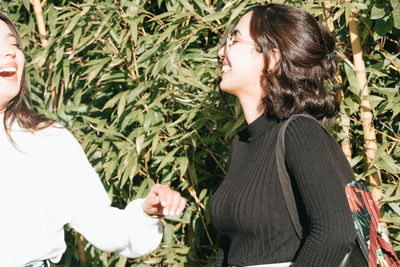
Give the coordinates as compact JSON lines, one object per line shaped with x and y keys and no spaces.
{"x":47,"y":182}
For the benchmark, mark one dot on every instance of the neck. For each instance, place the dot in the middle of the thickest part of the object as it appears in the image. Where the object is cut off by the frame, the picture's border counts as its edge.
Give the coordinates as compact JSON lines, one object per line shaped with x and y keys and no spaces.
{"x":252,"y":109}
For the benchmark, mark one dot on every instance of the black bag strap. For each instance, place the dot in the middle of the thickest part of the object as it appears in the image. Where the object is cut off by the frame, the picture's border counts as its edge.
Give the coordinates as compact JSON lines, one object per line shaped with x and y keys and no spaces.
{"x":284,"y":177}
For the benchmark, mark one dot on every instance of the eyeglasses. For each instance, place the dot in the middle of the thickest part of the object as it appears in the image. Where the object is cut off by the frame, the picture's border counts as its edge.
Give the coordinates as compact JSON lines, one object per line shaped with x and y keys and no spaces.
{"x":231,"y":40}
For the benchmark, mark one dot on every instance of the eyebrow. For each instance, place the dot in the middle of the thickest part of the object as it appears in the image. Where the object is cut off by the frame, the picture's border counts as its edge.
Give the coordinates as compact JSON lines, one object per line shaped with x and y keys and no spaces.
{"x":236,"y":31}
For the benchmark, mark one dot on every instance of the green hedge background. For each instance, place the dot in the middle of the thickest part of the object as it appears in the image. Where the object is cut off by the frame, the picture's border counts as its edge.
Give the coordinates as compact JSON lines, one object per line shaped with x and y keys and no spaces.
{"x":136,"y":81}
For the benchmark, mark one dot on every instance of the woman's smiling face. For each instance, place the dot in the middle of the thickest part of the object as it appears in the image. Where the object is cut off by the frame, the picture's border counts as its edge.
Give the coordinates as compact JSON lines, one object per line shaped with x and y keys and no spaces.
{"x":242,"y":63}
{"x":12,"y":62}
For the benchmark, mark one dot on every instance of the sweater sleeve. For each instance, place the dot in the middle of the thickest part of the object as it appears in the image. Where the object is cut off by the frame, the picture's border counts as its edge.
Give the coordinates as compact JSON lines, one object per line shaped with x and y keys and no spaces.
{"x":319,"y":169}
{"x":129,"y":232}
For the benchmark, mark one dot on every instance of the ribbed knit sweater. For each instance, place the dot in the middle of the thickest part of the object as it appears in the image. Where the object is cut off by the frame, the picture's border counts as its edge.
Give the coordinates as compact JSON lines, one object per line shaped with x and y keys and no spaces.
{"x":249,"y":209}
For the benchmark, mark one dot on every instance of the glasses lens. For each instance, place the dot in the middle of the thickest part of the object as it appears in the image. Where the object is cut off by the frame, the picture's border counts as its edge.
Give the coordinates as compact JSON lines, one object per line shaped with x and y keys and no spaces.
{"x":229,"y":41}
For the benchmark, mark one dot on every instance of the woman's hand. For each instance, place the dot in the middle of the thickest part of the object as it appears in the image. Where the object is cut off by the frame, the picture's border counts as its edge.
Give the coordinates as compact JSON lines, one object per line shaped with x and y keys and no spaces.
{"x":163,"y":201}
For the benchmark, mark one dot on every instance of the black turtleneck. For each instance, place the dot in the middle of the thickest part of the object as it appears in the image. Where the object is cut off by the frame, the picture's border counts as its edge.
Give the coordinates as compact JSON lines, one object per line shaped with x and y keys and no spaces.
{"x":249,"y":210}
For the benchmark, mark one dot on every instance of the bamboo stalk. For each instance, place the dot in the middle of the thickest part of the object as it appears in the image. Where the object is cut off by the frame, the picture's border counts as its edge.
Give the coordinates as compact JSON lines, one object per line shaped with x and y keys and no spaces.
{"x":366,"y":114}
{"x":81,"y":251}
{"x":344,"y":121}
{"x":37,"y":7}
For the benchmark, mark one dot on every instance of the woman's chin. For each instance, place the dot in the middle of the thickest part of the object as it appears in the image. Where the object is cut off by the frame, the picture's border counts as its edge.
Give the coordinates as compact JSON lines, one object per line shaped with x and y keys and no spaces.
{"x":7,"y":94}
{"x":225,"y":87}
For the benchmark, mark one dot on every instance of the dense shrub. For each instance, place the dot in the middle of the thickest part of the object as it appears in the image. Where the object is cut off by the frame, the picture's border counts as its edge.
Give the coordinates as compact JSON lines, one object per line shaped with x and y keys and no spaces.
{"x":137,"y":83}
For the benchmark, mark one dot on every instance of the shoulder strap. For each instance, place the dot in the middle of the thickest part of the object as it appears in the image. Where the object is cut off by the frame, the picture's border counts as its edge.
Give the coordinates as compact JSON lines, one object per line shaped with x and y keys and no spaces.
{"x":284,"y":176}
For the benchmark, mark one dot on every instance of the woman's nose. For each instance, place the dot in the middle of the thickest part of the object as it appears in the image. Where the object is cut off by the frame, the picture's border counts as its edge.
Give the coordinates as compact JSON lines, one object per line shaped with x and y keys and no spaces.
{"x":8,"y":51}
{"x":221,"y":52}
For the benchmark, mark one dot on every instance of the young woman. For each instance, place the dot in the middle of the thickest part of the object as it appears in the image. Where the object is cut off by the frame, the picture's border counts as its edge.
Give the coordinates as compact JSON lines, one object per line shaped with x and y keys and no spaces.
{"x":47,"y":182}
{"x":275,"y":61}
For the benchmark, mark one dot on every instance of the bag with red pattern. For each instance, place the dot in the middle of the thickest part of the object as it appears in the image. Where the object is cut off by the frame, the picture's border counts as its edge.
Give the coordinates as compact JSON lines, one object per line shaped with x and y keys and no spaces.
{"x":372,"y":248}
{"x":373,"y":242}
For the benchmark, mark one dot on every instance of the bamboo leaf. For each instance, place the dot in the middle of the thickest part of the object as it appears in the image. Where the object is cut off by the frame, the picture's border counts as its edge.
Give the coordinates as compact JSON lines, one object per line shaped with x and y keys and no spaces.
{"x":139,"y":143}
{"x":72,"y":24}
{"x":377,"y":13}
{"x":396,"y":13}
{"x":395,"y":207}
{"x":121,"y":262}
{"x":167,"y":159}
{"x":168,"y":234}
{"x":237,"y":11}
{"x":183,"y":165}
{"x":122,"y":103}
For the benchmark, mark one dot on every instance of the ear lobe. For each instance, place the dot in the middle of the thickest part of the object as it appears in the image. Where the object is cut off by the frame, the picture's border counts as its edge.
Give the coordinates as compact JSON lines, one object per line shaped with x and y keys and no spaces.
{"x":274,"y":58}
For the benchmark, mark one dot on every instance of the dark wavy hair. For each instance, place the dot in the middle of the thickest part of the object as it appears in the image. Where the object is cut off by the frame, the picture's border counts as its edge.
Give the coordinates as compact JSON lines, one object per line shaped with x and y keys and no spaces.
{"x":17,"y":109}
{"x":297,"y":83}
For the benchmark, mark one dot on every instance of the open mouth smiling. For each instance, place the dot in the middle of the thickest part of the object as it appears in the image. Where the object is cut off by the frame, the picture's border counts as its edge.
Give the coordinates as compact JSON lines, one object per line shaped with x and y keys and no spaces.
{"x":8,"y":72}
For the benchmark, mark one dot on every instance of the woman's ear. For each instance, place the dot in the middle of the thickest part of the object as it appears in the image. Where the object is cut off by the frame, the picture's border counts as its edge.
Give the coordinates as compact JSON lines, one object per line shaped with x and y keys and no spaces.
{"x":274,"y":57}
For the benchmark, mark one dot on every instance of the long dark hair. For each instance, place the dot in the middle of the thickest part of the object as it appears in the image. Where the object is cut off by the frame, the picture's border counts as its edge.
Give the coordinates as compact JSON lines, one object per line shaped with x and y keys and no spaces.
{"x":297,"y":83}
{"x":17,"y":110}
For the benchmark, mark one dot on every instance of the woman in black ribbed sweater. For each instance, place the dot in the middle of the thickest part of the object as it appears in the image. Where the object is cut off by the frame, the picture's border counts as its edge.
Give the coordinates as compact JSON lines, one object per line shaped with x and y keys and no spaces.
{"x":275,"y":60}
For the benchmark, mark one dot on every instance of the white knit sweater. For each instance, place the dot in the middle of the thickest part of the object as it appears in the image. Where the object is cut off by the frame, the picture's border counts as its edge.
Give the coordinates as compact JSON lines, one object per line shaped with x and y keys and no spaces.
{"x":48,"y":183}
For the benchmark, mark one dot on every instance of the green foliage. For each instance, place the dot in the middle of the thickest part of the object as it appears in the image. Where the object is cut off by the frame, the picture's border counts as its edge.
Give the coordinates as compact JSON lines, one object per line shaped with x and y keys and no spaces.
{"x":137,"y":83}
